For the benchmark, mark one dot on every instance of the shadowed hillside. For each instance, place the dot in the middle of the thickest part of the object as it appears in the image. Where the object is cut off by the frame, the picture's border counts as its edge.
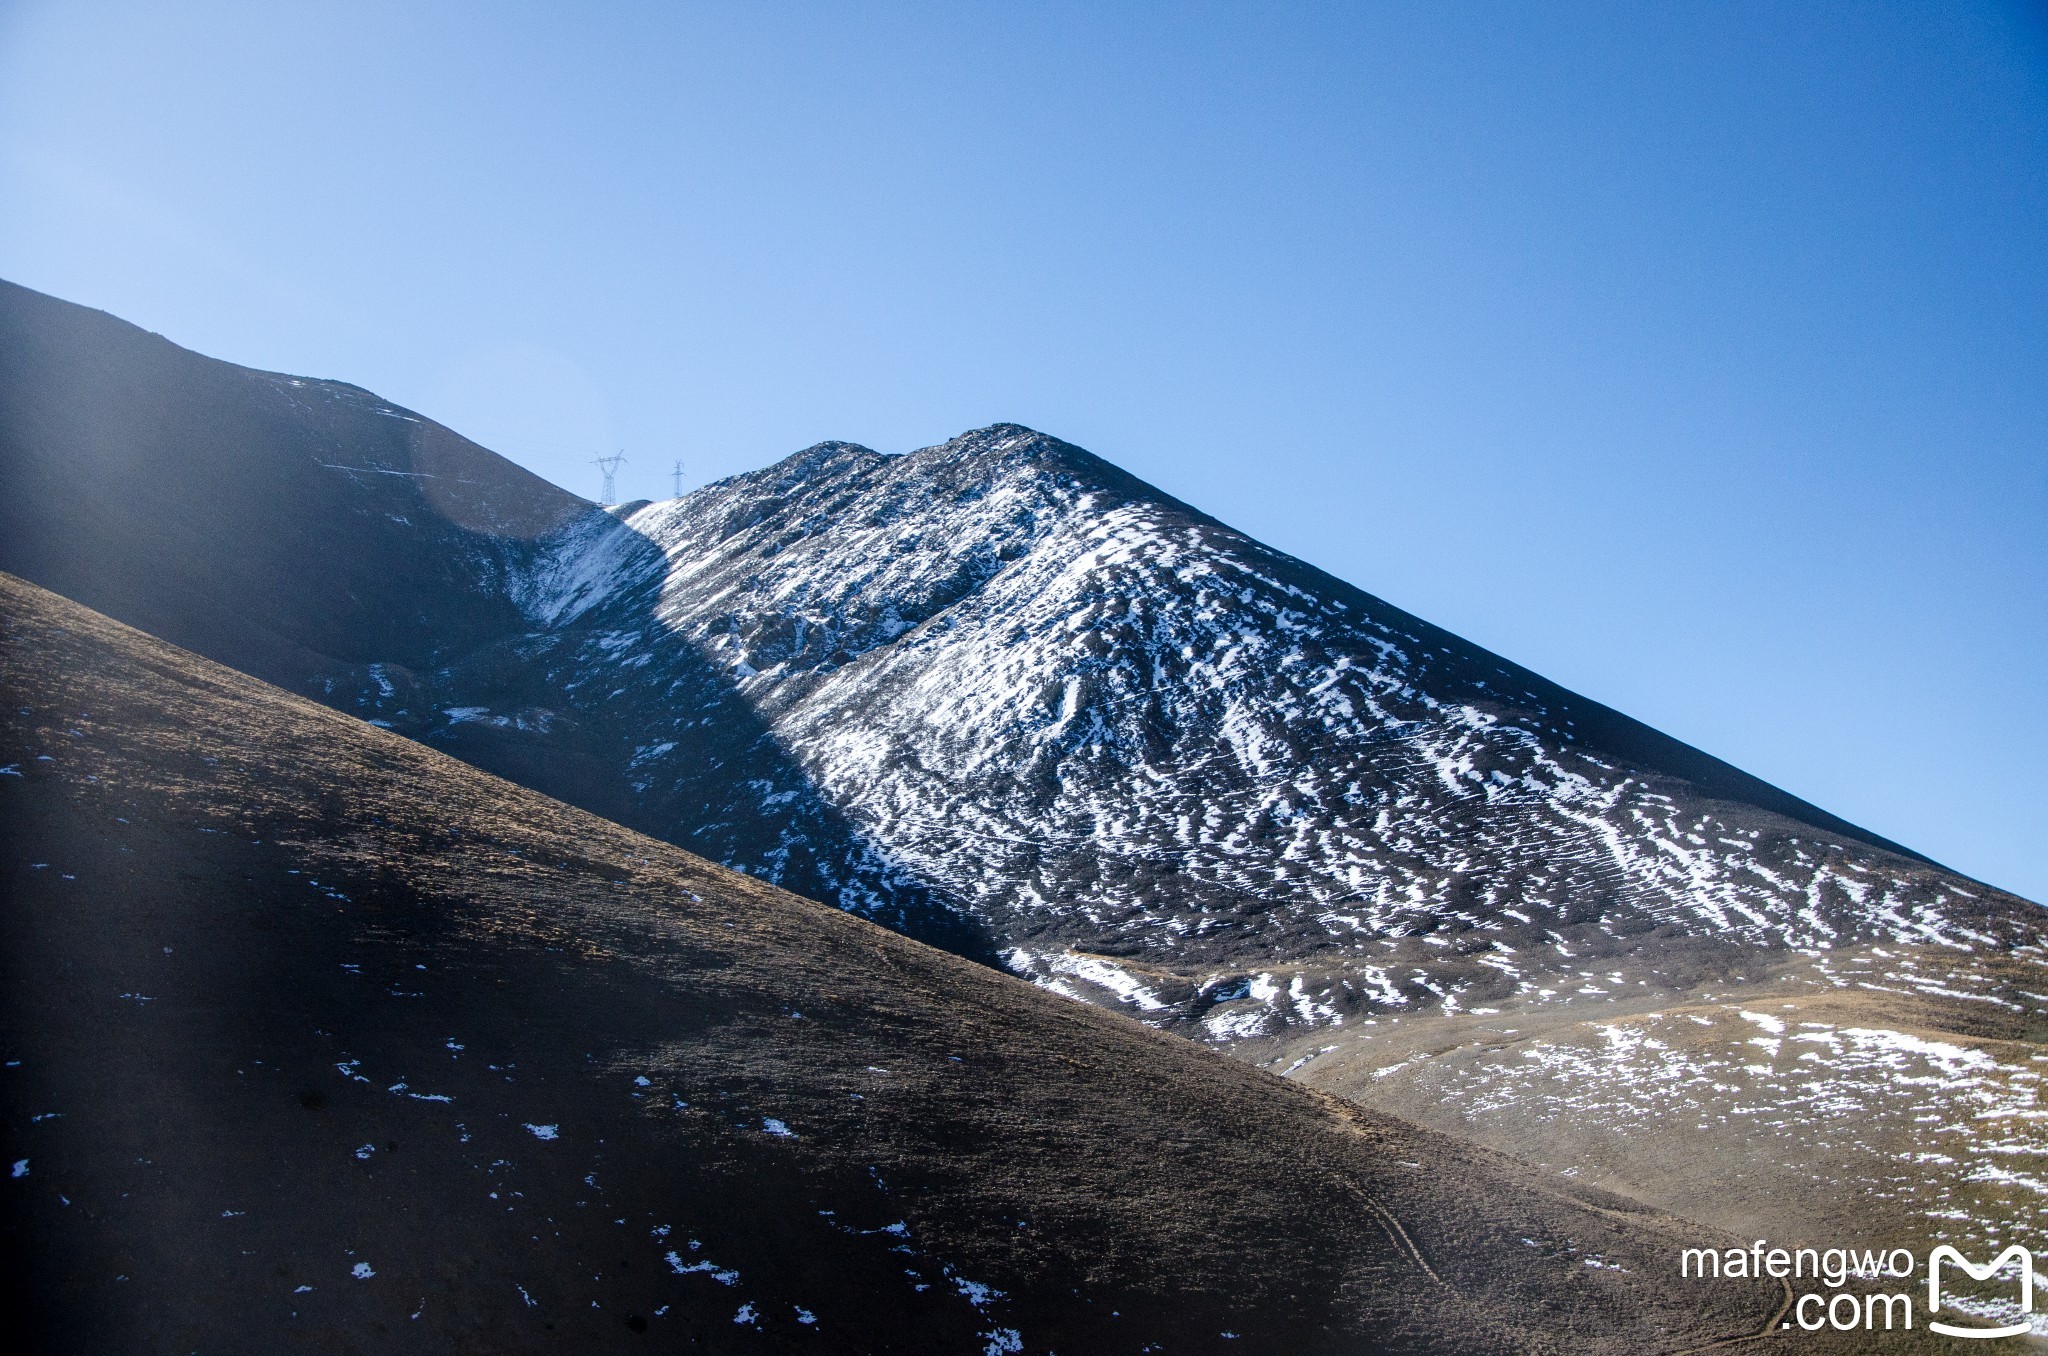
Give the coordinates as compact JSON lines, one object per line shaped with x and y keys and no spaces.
{"x":317,"y":1039}
{"x":280,"y":524}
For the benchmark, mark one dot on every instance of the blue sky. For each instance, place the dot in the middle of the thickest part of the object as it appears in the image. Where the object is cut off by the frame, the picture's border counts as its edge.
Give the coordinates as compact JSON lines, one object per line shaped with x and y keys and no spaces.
{"x":1693,"y":355}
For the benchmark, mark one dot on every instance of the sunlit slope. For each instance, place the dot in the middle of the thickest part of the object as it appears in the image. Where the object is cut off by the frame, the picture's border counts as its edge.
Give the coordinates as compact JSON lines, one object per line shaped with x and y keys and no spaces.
{"x":318,"y":1039}
{"x":1797,"y":1110}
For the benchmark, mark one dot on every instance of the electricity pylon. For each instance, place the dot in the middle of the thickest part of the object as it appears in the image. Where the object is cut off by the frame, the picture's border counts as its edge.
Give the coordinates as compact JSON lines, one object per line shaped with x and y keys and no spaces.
{"x":610,"y":466}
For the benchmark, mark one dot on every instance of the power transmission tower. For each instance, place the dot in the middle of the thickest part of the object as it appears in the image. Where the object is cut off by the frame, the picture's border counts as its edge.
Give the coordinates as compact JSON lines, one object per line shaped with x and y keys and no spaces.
{"x":679,"y":479}
{"x":610,"y":466}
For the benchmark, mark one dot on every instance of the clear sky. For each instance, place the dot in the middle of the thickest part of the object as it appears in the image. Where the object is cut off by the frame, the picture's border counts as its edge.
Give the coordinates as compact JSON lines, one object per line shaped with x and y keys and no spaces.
{"x":1694,"y":355}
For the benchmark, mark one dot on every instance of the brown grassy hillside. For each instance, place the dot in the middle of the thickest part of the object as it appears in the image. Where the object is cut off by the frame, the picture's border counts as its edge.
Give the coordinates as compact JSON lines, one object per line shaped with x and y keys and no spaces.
{"x":318,"y":1040}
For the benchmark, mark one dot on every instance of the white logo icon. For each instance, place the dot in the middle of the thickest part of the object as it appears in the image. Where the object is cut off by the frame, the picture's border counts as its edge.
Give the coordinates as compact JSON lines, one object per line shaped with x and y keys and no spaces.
{"x":1983,"y":1273}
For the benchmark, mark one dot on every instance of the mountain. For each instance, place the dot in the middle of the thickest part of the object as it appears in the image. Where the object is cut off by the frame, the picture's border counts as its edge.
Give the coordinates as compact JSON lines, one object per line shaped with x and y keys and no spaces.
{"x":318,"y":1039}
{"x":1173,"y":771}
{"x":1091,"y":716}
{"x":1004,"y":697}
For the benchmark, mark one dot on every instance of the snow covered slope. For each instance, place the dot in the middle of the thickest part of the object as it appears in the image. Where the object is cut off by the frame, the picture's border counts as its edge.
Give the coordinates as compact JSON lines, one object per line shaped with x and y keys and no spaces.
{"x":1159,"y":765}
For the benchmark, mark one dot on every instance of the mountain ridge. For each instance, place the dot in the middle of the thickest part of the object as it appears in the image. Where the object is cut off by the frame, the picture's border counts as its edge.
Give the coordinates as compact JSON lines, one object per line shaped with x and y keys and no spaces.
{"x":283,"y":521}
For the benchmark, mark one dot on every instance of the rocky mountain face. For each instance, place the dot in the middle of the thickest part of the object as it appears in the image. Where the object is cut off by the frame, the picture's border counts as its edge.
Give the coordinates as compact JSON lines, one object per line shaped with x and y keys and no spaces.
{"x":1151,"y":762}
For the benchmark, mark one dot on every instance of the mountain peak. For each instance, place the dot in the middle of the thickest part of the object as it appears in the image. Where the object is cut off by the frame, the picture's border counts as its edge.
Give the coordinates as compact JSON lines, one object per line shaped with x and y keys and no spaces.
{"x":818,"y":461}
{"x":1004,"y":447}
{"x":998,"y":437}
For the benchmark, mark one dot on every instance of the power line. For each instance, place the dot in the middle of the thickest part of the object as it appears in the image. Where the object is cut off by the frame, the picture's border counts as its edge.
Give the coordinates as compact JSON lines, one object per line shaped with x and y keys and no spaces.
{"x":679,"y":479}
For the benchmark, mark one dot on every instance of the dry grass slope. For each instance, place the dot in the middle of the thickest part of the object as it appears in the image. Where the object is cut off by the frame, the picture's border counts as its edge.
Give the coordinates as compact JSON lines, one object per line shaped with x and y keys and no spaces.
{"x":318,"y":1040}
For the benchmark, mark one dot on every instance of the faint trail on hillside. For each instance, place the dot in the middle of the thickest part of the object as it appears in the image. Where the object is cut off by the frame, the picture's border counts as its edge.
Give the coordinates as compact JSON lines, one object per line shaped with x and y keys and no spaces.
{"x":1770,"y":1328}
{"x":1400,"y":1235}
